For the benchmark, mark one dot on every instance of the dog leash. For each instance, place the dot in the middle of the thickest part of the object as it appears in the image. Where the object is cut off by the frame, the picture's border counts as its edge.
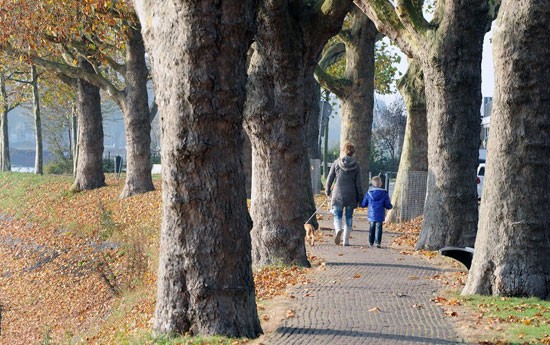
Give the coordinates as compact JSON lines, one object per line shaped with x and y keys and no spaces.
{"x":314,"y":213}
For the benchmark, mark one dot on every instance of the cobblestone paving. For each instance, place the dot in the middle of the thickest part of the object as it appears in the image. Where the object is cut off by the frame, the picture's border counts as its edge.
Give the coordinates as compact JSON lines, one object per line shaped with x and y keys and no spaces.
{"x":366,"y":296}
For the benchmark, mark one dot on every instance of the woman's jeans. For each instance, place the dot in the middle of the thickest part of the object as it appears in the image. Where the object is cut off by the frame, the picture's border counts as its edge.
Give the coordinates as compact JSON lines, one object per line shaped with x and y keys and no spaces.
{"x":338,"y":213}
{"x":375,"y":233}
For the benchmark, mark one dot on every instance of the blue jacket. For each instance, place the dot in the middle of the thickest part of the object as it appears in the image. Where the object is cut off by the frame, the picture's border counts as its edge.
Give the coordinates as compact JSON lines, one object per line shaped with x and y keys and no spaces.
{"x":377,"y":200}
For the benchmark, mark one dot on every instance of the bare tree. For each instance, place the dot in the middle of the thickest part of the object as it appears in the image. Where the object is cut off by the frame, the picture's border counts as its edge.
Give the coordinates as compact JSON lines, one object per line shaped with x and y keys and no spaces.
{"x":391,"y":129}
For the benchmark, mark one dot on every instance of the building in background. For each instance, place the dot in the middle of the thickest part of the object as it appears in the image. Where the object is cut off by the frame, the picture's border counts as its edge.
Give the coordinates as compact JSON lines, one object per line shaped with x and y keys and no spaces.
{"x":486,"y":109}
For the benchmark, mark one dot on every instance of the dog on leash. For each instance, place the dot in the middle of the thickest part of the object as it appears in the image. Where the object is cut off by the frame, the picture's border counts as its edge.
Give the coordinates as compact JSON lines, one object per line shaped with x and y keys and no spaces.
{"x":310,"y":233}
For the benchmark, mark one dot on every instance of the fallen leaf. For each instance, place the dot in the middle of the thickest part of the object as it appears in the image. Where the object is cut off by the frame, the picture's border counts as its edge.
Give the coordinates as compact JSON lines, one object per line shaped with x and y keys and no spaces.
{"x":375,"y":309}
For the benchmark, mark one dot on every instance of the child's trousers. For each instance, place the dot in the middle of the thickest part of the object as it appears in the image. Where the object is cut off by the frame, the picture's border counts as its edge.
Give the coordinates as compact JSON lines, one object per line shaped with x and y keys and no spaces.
{"x":375,"y":233}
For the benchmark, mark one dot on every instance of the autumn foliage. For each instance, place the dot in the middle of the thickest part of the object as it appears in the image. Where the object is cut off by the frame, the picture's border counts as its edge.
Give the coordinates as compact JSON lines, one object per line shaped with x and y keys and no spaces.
{"x":83,"y":266}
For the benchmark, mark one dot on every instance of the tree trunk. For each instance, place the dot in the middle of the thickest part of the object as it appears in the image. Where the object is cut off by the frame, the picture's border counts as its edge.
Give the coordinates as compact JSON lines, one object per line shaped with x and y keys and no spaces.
{"x":205,"y":282}
{"x":247,"y":164}
{"x":453,"y":94}
{"x":511,"y":253}
{"x":136,"y":119}
{"x":89,"y":169}
{"x":414,"y":157}
{"x":288,"y":44}
{"x":5,"y":164}
{"x":74,"y":143}
{"x":358,"y":100}
{"x":39,"y":156}
{"x":313,"y":117}
{"x":279,"y":153}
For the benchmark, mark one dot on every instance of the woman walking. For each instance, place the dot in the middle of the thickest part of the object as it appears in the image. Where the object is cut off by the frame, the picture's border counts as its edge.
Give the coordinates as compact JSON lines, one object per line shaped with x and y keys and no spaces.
{"x":344,"y":188}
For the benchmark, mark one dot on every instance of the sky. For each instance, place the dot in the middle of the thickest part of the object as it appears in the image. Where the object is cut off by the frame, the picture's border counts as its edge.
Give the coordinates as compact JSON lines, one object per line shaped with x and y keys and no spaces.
{"x":487,"y":72}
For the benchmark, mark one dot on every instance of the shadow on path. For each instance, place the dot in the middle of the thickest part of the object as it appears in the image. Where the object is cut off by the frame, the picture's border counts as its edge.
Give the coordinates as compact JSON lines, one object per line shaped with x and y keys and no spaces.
{"x":364,"y":335}
{"x":372,"y":264}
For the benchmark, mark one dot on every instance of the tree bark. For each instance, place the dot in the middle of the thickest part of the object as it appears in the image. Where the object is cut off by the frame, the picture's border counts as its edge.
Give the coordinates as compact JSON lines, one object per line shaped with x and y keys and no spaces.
{"x":449,"y":50}
{"x":5,"y":164}
{"x":358,"y":100}
{"x":247,"y":164}
{"x":453,"y":94}
{"x":414,"y":156}
{"x":205,"y":282}
{"x":511,"y":252}
{"x":288,"y":44}
{"x":356,"y":89}
{"x":39,"y":152}
{"x":89,"y":169}
{"x":313,"y":116}
{"x":137,"y":119}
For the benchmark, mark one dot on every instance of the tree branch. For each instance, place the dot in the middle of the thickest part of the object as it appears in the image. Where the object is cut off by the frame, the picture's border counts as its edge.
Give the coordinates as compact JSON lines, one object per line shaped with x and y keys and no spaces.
{"x":92,"y":78}
{"x":153,"y":111}
{"x":120,"y":68}
{"x":494,"y":6}
{"x":411,"y":17}
{"x":82,"y":49}
{"x":20,"y":81}
{"x":66,"y":79}
{"x":384,"y":16}
{"x":338,"y":87}
{"x":345,"y":36}
{"x":325,"y":14}
{"x":13,"y":106}
{"x":332,"y":54}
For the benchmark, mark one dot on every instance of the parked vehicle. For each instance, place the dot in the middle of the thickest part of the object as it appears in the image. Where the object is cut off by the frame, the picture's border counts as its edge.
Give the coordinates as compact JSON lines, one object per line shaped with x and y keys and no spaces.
{"x":480,"y":178}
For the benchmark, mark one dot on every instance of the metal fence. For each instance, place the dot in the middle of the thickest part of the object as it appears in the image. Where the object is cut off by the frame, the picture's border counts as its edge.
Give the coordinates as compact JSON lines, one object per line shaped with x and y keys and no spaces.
{"x":411,"y":203}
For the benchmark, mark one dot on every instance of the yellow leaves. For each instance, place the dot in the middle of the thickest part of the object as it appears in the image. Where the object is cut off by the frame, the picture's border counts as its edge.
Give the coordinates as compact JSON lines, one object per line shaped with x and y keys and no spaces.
{"x":527,"y":322}
{"x":409,"y":232}
{"x":375,"y":310}
{"x":357,"y":275}
{"x":428,"y":254}
{"x":290,"y":314}
{"x":273,"y":281}
{"x":54,"y":279}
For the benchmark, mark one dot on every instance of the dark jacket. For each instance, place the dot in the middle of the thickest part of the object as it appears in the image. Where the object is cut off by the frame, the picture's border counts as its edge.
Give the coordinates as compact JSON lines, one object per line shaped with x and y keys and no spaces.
{"x":377,"y":200}
{"x":345,"y":174}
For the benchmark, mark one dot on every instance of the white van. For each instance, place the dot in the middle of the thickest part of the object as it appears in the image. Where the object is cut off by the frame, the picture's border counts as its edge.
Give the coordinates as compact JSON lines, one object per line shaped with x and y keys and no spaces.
{"x":480,"y":178}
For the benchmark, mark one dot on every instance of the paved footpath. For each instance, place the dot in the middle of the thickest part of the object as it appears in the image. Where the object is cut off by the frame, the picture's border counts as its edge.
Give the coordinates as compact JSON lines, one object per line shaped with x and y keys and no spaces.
{"x":366,"y":296}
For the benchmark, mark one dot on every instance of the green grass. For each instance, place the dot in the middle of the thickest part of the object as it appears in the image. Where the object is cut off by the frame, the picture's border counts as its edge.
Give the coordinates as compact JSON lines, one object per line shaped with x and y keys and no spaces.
{"x":524,"y":320}
{"x":17,"y":190}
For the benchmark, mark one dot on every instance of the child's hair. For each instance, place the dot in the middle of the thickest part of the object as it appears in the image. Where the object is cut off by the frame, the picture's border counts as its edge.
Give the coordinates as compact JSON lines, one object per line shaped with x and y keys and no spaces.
{"x":376,"y":181}
{"x":349,"y":149}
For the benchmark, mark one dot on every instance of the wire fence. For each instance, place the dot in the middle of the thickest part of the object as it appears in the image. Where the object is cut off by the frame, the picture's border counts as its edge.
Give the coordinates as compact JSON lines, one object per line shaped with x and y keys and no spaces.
{"x":411,"y":201}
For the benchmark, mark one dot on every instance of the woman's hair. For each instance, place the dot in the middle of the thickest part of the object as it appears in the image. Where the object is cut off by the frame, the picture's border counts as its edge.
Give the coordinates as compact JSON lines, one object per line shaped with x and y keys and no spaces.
{"x":349,"y":149}
{"x":376,"y":181}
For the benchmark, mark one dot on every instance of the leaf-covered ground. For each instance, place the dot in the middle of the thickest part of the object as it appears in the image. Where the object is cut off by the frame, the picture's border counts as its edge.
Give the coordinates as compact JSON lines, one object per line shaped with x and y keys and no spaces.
{"x":81,"y":268}
{"x":485,"y":320}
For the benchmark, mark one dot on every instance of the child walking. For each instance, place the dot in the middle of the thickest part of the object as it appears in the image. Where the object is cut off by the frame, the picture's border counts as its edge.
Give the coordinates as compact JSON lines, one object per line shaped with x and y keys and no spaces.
{"x":378,"y":201}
